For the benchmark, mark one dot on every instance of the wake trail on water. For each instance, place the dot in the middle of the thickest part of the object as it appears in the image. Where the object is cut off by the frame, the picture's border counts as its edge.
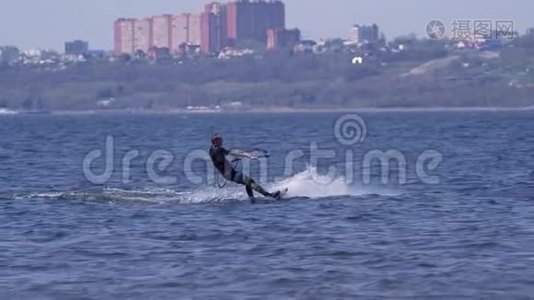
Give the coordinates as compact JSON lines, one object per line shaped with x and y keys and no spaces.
{"x":310,"y":184}
{"x":306,"y":184}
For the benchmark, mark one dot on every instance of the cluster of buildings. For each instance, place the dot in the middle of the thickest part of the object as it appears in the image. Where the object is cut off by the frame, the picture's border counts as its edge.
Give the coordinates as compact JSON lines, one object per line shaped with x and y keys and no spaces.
{"x":225,"y":29}
{"x":9,"y":54}
{"x":360,"y":34}
{"x":74,"y":52}
{"x":217,"y":27}
{"x":165,"y":31}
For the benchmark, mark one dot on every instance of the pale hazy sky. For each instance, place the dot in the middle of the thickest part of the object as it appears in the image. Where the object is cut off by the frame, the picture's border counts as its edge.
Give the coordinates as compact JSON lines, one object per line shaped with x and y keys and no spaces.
{"x":48,"y":23}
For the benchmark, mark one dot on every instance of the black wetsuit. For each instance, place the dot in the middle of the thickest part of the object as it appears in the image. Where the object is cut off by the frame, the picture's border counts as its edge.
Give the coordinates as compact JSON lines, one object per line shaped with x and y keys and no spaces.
{"x":218,"y":157}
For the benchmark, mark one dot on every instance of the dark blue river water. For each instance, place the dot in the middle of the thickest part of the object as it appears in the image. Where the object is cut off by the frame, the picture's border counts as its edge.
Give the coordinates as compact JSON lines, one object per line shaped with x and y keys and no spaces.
{"x":454,"y":219}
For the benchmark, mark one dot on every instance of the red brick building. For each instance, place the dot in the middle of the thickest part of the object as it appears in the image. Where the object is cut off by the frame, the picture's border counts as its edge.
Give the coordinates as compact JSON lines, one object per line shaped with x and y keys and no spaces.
{"x":185,"y":30}
{"x":124,"y":36}
{"x":142,"y":34}
{"x":161,"y":31}
{"x":164,"y":31}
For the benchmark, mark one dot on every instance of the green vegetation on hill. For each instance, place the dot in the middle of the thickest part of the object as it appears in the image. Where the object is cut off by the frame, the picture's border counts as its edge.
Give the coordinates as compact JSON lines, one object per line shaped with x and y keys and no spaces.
{"x":426,"y":74}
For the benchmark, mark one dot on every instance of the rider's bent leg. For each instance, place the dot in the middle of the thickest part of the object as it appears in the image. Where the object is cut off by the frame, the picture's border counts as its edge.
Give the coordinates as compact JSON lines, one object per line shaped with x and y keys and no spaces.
{"x":250,"y":193}
{"x":252,"y":185}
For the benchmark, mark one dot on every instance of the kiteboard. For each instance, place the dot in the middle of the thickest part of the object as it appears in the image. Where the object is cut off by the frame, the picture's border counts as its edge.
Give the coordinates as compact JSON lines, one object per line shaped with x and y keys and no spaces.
{"x":283,"y":192}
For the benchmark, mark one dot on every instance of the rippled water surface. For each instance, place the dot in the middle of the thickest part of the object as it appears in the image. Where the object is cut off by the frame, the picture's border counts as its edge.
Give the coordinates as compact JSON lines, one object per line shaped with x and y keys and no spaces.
{"x":471,"y":235}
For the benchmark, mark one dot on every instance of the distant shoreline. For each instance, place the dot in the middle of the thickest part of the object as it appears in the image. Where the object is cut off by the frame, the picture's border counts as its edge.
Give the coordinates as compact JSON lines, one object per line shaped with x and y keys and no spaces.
{"x":270,"y":111}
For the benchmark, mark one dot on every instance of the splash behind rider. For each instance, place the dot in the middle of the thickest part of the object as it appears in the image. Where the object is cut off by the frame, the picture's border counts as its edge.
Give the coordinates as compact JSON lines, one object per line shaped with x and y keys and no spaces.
{"x":218,"y":156}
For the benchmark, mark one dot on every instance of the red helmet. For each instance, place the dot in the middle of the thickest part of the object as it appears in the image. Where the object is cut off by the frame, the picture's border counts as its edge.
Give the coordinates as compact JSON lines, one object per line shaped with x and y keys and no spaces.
{"x":217,"y":140}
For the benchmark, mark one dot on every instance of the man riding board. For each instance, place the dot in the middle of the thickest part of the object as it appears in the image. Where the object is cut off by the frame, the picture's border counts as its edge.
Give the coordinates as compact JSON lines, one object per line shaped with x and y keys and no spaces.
{"x":218,"y":156}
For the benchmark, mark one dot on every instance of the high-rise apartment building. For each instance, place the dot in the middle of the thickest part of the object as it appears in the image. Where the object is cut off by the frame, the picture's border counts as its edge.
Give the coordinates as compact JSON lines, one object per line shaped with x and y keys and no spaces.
{"x":213,"y":28}
{"x":76,"y":47}
{"x":142,"y":35}
{"x":124,"y":36}
{"x":185,"y":29}
{"x":164,"y":31}
{"x":250,"y":20}
{"x":364,"y":33}
{"x":282,"y":38}
{"x":218,"y":26}
{"x":161,"y":31}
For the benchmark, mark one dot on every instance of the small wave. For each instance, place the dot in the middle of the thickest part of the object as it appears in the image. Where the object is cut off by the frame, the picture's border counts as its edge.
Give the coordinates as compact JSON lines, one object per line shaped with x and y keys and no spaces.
{"x":200,"y":195}
{"x":307,"y":184}
{"x":44,"y":195}
{"x":102,"y":195}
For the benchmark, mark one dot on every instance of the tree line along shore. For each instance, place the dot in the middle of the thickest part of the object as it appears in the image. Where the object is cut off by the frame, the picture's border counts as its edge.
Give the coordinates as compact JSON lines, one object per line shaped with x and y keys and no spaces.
{"x":427,"y":75}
